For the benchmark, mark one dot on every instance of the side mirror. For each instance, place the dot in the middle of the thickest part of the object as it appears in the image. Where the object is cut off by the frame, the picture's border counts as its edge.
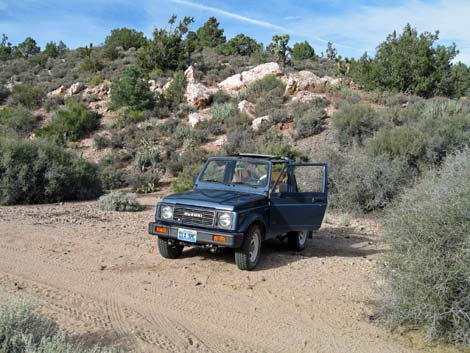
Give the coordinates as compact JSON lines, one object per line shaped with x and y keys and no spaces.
{"x":283,"y":188}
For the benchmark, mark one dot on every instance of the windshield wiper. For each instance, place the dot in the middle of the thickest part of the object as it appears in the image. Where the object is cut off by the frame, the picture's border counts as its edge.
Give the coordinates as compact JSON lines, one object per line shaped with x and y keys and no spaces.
{"x":242,"y":183}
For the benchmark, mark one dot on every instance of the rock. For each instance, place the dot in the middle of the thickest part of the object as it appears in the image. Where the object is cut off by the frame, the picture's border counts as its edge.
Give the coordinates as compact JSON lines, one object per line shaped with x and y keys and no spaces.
{"x":302,"y":81}
{"x":306,"y":96}
{"x":333,"y":81}
{"x":76,"y":88}
{"x":167,"y":85}
{"x":57,"y":92}
{"x":220,"y":141}
{"x":247,"y":108}
{"x":195,"y":118}
{"x":236,"y":82}
{"x":256,"y":124}
{"x":101,"y":90}
{"x":190,"y":75}
{"x":155,"y":87}
{"x":196,"y":93}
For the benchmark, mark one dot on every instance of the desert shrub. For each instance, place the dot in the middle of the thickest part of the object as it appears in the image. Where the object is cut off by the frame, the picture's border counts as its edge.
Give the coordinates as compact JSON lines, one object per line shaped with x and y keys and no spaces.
{"x":52,"y":103}
{"x":132,"y":90}
{"x":426,"y":271}
{"x":184,"y":109}
{"x":100,"y":142}
{"x":263,"y":86}
{"x":147,"y":180}
{"x":402,"y":142}
{"x":95,"y":81}
{"x":148,"y":155}
{"x":23,"y":330}
{"x":221,"y":97}
{"x":175,"y":92}
{"x":27,"y":95}
{"x":128,"y":115}
{"x":40,"y":171}
{"x":70,"y":123}
{"x":4,"y":93}
{"x":309,"y":123}
{"x":361,"y":183}
{"x":269,"y":102}
{"x":300,"y":108}
{"x":119,"y":201}
{"x":19,"y":120}
{"x":223,"y":111}
{"x":185,"y":179}
{"x":240,"y":140}
{"x":280,"y":115}
{"x":356,"y":122}
{"x":178,"y":161}
{"x":112,"y":178}
{"x":271,"y":142}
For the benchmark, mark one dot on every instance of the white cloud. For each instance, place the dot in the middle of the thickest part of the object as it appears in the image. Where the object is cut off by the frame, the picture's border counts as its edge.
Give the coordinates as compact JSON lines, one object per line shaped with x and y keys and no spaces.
{"x":231,"y":15}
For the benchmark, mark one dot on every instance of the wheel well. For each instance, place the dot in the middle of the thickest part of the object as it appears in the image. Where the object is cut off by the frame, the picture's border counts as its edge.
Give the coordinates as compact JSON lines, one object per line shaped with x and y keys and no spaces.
{"x":262,"y":226}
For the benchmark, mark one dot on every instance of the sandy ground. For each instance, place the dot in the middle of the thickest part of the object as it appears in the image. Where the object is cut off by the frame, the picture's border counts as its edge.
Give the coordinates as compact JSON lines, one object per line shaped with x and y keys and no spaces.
{"x":100,"y":276}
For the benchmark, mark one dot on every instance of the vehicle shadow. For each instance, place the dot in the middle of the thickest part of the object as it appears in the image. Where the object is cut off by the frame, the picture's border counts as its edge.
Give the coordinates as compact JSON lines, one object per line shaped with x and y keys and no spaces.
{"x":328,"y":242}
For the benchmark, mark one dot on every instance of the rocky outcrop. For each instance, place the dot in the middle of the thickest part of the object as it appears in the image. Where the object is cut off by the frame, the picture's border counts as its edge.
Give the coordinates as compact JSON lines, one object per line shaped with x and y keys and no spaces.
{"x":256,"y":123}
{"x":197,"y":94}
{"x":308,"y":81}
{"x":247,"y":108}
{"x":101,"y":91}
{"x":155,"y":87}
{"x":57,"y":92}
{"x":237,"y":82}
{"x":301,"y":81}
{"x":196,"y":118}
{"x":75,"y":89}
{"x":306,"y":96}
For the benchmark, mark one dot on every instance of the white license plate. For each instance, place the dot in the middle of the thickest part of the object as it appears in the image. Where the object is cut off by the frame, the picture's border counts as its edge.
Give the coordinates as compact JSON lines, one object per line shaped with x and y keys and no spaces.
{"x":187,"y":235}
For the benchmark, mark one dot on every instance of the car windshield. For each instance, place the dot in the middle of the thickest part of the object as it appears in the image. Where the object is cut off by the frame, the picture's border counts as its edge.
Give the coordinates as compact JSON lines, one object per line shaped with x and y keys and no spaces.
{"x":236,"y":172}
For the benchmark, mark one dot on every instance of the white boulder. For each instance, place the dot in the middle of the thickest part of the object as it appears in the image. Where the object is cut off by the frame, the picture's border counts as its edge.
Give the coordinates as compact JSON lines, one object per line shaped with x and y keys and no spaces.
{"x":196,"y":118}
{"x":237,"y":82}
{"x":256,"y":123}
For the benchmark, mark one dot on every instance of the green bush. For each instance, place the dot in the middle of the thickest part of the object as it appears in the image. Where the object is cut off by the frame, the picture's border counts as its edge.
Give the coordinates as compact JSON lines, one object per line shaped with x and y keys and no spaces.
{"x":309,"y":123}
{"x":19,"y":120}
{"x":132,"y":90}
{"x":4,"y":93}
{"x":360,"y":183}
{"x":175,"y":92}
{"x":263,"y":86}
{"x":185,"y":180}
{"x":355,"y":123}
{"x":223,"y":111}
{"x":146,"y":180}
{"x":119,"y":201}
{"x":402,"y":142}
{"x":70,"y":123}
{"x":128,"y":115}
{"x":29,"y":96}
{"x":427,"y":269}
{"x":221,"y":97}
{"x":40,"y":171}
{"x":23,"y":330}
{"x":100,"y":142}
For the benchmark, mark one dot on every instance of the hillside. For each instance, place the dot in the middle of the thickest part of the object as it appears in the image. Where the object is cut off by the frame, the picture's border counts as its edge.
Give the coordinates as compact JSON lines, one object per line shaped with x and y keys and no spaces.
{"x":142,"y":114}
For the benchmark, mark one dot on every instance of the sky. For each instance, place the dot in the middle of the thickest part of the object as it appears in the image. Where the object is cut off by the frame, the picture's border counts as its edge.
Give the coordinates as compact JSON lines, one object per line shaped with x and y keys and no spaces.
{"x":353,"y":26}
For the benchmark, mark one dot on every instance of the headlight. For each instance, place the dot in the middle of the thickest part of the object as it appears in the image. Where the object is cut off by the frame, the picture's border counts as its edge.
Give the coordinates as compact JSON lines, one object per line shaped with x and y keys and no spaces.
{"x":225,"y":220}
{"x":166,"y":212}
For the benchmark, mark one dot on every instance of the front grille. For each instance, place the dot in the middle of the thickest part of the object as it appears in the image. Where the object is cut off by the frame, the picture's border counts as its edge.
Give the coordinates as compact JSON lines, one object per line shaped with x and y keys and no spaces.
{"x":194,"y":216}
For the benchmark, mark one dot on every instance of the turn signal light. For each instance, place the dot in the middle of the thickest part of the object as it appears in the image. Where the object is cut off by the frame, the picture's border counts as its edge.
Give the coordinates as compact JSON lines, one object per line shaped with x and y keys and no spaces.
{"x":160,"y":229}
{"x":219,"y":238}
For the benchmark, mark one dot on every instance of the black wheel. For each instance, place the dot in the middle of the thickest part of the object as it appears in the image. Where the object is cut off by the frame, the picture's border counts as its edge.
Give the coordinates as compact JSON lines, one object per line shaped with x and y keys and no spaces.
{"x":297,"y":240}
{"x":169,"y":250}
{"x":247,"y":257}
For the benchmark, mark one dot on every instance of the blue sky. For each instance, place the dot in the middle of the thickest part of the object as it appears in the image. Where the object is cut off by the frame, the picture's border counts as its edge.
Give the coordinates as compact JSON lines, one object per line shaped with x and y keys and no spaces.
{"x":353,"y":26}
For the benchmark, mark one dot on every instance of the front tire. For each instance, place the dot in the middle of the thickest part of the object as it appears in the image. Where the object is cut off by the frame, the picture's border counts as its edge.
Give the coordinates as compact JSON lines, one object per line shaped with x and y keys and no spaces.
{"x":297,"y":240}
{"x":247,"y":257}
{"x":169,"y":250}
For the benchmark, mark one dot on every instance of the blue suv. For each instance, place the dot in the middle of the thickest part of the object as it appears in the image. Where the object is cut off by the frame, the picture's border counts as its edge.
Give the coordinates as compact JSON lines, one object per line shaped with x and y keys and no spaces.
{"x":239,"y":201}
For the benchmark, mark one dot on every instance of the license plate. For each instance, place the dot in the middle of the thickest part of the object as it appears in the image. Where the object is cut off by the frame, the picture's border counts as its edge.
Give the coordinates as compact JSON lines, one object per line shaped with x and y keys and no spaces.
{"x":187,"y":235}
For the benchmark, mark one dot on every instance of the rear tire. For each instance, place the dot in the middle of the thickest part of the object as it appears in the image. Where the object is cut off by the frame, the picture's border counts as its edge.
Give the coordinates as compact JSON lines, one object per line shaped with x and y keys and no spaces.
{"x":169,"y":250}
{"x":297,"y":240}
{"x":247,"y":257}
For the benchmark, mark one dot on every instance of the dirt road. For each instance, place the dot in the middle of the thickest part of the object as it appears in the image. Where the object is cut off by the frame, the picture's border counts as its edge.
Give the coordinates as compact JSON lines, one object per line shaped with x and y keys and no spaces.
{"x":99,"y":275}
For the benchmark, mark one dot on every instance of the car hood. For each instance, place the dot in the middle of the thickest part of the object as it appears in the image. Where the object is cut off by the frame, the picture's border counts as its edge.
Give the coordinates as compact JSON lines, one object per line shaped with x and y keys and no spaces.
{"x":221,"y":199}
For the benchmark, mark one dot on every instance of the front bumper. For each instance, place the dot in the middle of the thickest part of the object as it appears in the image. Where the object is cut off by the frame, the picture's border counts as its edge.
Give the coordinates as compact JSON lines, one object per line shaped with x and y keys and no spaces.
{"x":232,"y":240}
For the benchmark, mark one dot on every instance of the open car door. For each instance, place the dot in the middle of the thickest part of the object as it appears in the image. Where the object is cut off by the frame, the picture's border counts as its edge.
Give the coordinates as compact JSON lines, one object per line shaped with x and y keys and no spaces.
{"x":299,"y":198}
